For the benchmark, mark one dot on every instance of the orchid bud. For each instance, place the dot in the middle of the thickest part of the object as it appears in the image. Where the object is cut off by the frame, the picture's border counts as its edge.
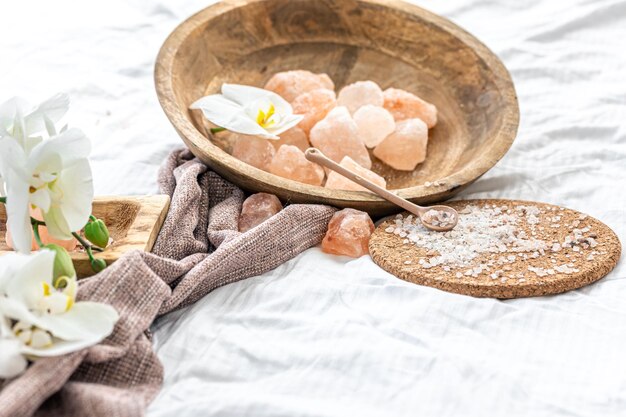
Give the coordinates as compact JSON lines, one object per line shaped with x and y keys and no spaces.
{"x":97,"y":233}
{"x":63,"y":265}
{"x":98,"y":264}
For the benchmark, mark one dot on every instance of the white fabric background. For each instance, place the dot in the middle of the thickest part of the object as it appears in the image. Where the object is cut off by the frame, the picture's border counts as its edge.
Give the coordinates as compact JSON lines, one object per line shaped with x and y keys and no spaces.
{"x":330,"y":336}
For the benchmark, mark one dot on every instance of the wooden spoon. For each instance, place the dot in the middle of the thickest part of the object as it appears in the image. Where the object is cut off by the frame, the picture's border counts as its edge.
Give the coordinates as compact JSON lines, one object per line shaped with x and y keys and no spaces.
{"x":438,"y":218}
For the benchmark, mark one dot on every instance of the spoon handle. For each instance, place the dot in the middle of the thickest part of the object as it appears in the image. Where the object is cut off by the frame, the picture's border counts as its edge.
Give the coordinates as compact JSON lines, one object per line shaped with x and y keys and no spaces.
{"x":315,"y":155}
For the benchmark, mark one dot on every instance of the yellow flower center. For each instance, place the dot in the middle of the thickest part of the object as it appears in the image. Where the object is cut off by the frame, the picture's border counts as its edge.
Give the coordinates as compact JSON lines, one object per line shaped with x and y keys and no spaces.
{"x":265,"y":119}
{"x":59,"y":299}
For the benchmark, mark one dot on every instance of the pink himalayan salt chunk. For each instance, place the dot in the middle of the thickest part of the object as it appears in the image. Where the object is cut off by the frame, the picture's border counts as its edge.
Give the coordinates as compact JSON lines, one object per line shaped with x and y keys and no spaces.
{"x":374,"y":124}
{"x":253,"y":150}
{"x":291,"y":163}
{"x":404,"y":105}
{"x":294,"y":136}
{"x":291,"y":84}
{"x":337,"y":136}
{"x":256,"y":209}
{"x":359,"y":94}
{"x":339,"y":182}
{"x":406,"y":146}
{"x":348,"y":233}
{"x":314,"y":105}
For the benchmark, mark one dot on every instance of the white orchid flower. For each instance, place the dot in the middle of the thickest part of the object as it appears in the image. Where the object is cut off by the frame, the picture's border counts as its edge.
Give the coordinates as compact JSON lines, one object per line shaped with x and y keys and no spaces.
{"x":55,"y":176}
{"x":40,"y":317}
{"x":249,"y":111}
{"x":27,"y":123}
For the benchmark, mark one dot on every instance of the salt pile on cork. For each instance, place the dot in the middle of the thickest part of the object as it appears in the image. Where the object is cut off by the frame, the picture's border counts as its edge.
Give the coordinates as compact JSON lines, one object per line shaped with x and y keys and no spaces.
{"x":491,"y":240}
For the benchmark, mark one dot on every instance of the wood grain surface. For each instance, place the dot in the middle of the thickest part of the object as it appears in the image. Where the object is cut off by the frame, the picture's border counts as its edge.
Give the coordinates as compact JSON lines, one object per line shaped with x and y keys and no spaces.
{"x":133,"y":223}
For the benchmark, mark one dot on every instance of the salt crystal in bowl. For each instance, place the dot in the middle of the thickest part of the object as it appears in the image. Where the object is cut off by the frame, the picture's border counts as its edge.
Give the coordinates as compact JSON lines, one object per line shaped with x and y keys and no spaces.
{"x":392,"y":43}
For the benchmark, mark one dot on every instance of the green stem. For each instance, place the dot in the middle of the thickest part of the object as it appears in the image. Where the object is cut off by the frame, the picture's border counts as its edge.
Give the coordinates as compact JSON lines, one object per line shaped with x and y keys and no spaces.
{"x":88,"y":247}
{"x":92,"y":218}
{"x":3,"y":200}
{"x":96,"y":266}
{"x":36,"y":234}
{"x":36,"y":222}
{"x":215,"y":130}
{"x":90,"y":254}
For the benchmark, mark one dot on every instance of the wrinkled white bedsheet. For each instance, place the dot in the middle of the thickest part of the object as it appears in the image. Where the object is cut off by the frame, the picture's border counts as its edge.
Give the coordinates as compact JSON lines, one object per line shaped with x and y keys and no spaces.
{"x":330,"y":336}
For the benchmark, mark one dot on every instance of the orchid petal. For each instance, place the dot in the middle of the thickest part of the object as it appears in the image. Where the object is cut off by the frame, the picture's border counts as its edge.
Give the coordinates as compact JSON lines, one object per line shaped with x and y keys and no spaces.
{"x":246,"y":126}
{"x":50,"y":127}
{"x":26,"y":286}
{"x":11,"y":264}
{"x":229,"y":115}
{"x":216,"y":101}
{"x":12,"y":158}
{"x":53,"y":108}
{"x":41,"y":199}
{"x":56,"y":224}
{"x":17,"y":310}
{"x":17,"y":213}
{"x":244,"y":94}
{"x":86,"y":320}
{"x":12,"y":170}
{"x":30,"y":142}
{"x":72,"y":210}
{"x":75,"y":144}
{"x":9,"y":109}
{"x":12,"y":363}
{"x":19,"y":130}
{"x":285,"y":125}
{"x":70,"y":146}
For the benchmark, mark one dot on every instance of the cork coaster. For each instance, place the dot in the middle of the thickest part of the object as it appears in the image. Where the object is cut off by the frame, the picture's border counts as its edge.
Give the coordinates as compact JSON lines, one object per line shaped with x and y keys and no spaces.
{"x":578,"y":251}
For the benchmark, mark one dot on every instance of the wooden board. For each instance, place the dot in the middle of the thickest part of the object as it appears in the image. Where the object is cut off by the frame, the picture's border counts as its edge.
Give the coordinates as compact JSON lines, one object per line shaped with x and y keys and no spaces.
{"x":391,"y":42}
{"x":403,"y":260}
{"x":133,"y":223}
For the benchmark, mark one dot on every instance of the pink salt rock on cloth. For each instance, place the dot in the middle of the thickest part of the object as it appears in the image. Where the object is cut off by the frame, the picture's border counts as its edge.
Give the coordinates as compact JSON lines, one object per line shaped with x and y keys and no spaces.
{"x":291,"y":84}
{"x":294,"y":136}
{"x":339,"y":182}
{"x":360,"y":93}
{"x":314,"y":105}
{"x":406,"y":146}
{"x":291,"y":163}
{"x":374,"y":124}
{"x":337,"y":136}
{"x":253,"y":150}
{"x":256,"y":209}
{"x":348,"y":233}
{"x":404,"y":105}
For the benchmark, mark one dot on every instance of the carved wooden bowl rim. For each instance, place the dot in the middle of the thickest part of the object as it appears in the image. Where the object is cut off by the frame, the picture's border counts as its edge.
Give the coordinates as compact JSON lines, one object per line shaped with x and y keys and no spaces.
{"x":257,"y":180}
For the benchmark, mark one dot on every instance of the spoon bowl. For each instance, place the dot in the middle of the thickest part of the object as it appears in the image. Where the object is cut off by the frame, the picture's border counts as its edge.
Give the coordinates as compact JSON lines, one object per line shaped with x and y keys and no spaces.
{"x":439,"y":218}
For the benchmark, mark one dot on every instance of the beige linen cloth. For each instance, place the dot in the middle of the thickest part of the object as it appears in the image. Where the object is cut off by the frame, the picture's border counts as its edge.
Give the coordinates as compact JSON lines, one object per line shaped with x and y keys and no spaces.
{"x":198,"y":250}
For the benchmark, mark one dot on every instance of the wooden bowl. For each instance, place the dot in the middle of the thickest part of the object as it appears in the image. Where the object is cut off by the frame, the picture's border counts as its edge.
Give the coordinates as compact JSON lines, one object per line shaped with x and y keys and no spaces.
{"x":133,"y":223}
{"x":391,"y":42}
